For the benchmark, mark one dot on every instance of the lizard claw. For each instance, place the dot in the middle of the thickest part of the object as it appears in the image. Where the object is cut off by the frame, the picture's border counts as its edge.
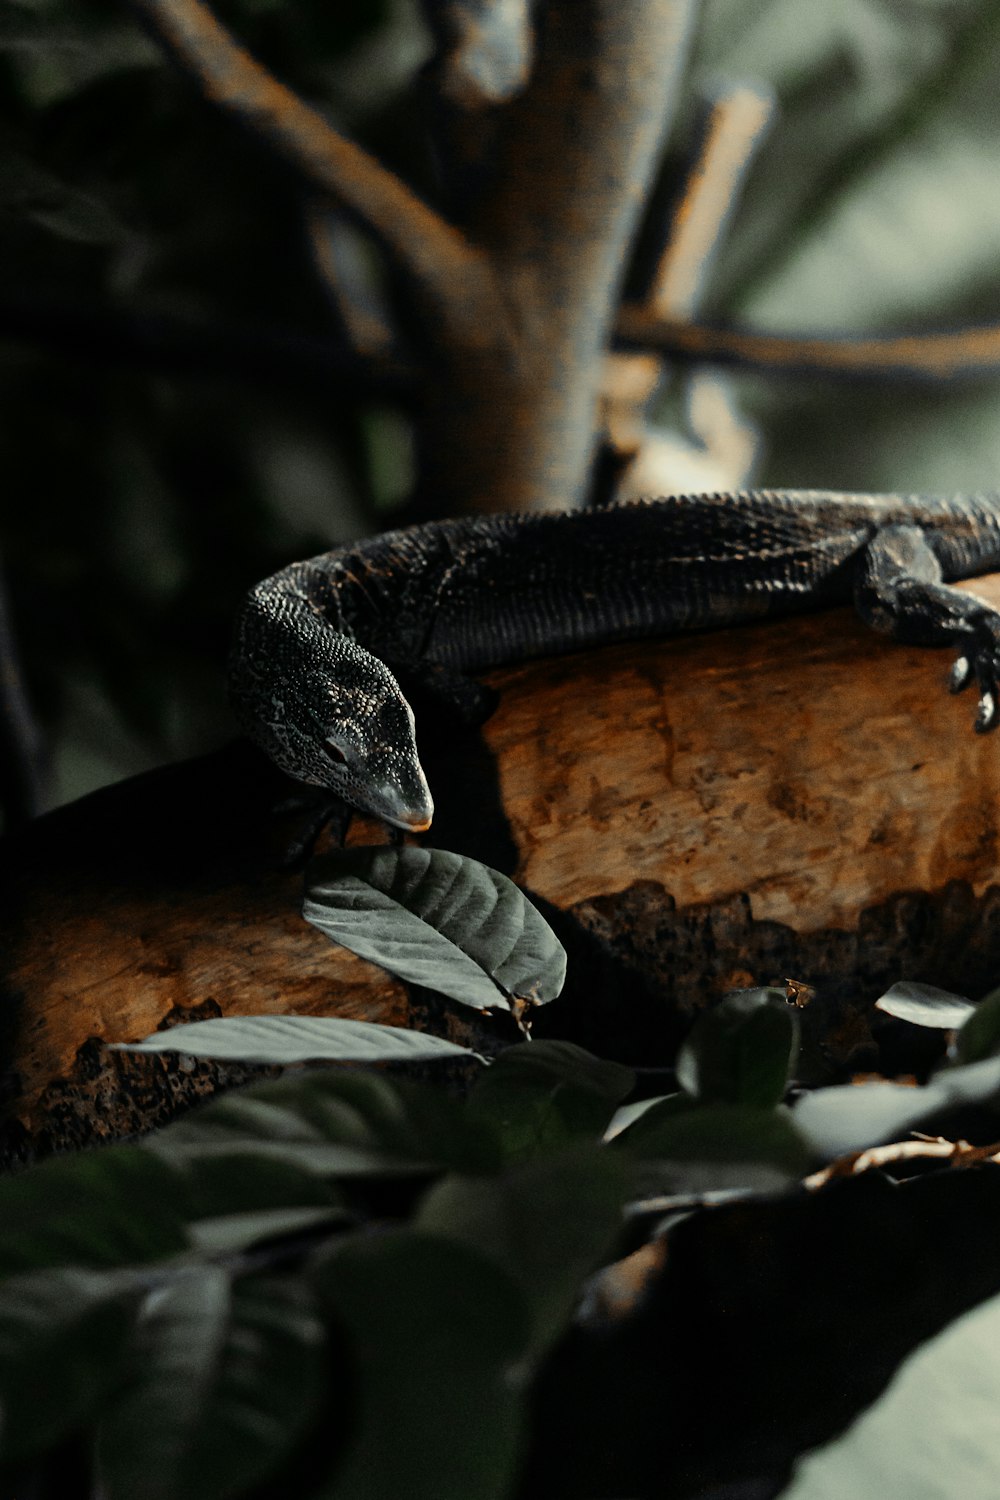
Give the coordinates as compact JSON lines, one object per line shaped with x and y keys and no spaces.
{"x":980,"y":659}
{"x":986,"y":717}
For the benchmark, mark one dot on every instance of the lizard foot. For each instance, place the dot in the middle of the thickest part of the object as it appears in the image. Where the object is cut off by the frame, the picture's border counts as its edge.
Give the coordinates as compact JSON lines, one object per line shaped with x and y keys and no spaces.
{"x":979,"y":641}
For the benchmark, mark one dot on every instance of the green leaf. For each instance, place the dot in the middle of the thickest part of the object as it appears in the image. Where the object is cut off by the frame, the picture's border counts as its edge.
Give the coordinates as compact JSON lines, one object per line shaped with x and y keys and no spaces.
{"x":690,"y":1147}
{"x":625,"y":1117}
{"x":980,"y":1035}
{"x":851,"y":1117}
{"x":224,"y":1234}
{"x":542,"y":1095}
{"x":741,"y":1051}
{"x":241,"y":1180}
{"x":294,"y":1039}
{"x":61,"y":1334}
{"x":108,"y":1207}
{"x":924,"y":1005}
{"x":220,"y":1381}
{"x":439,"y":1333}
{"x":438,"y":920}
{"x":548,"y":1224}
{"x":932,"y":1433}
{"x":341,"y":1124}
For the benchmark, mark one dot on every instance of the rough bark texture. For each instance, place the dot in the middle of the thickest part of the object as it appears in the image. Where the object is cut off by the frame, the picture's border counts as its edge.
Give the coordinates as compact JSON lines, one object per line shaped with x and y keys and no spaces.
{"x":796,"y":799}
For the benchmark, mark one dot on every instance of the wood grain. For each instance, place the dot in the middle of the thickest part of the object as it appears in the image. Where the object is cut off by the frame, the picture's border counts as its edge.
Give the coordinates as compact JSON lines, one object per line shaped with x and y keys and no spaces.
{"x":795,"y":797}
{"x":805,"y":762}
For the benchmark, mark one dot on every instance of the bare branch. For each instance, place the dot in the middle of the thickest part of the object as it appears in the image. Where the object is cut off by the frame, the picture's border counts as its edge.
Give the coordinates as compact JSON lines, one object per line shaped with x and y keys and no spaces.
{"x":420,"y":242}
{"x":957,"y":1153}
{"x":733,"y":125}
{"x":339,"y":258}
{"x":951,"y":354}
{"x":721,"y":447}
{"x":484,"y":49}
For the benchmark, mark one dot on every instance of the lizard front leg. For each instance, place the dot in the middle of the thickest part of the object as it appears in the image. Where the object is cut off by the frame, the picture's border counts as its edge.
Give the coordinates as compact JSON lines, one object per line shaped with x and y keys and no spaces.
{"x":899,"y":590}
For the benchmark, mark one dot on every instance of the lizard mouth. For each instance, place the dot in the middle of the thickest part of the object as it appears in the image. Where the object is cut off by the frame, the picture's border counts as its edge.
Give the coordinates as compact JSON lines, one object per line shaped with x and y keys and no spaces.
{"x":411,"y":815}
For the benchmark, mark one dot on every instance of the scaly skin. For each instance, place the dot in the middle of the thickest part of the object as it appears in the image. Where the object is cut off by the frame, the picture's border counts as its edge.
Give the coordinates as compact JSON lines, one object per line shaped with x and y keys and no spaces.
{"x":312,"y":678}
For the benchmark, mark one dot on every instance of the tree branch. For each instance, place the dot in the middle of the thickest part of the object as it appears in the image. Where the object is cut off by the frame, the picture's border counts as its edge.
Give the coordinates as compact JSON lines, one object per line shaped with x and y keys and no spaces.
{"x":423,"y":245}
{"x":733,"y":125}
{"x":946,"y":355}
{"x":958,"y":1153}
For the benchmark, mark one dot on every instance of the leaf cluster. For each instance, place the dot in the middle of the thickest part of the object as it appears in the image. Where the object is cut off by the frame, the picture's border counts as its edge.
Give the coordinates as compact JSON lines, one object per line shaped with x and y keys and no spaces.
{"x":344,"y":1283}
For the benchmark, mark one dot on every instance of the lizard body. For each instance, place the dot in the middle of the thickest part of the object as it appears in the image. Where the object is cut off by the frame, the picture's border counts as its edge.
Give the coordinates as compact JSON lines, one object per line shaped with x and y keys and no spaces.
{"x":320,"y":644}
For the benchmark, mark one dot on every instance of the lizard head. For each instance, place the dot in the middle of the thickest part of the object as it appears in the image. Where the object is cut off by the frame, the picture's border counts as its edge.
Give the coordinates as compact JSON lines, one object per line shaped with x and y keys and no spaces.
{"x":327,"y":711}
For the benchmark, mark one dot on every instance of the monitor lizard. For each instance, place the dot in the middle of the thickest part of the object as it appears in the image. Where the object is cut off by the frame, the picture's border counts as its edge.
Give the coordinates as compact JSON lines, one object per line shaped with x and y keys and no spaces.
{"x":321,"y":645}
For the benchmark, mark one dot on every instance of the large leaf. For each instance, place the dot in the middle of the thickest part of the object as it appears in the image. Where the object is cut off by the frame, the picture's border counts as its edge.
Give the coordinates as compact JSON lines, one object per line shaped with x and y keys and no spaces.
{"x":741,"y":1051}
{"x":439,"y":1333}
{"x":105,"y":1208}
{"x":440,"y":920}
{"x":925,"y":1006}
{"x":548,"y":1224}
{"x":933,"y":1433}
{"x":220,"y":1381}
{"x":684,"y":1146}
{"x":61,"y":1334}
{"x":542,"y":1095}
{"x":224,"y":1234}
{"x":980,"y":1035}
{"x":851,"y":1117}
{"x":242,"y":1180}
{"x":293,"y":1039}
{"x":341,"y":1124}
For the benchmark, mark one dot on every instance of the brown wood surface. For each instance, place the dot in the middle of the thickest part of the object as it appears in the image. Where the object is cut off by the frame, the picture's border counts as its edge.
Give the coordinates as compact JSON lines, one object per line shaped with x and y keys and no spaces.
{"x":792,"y":799}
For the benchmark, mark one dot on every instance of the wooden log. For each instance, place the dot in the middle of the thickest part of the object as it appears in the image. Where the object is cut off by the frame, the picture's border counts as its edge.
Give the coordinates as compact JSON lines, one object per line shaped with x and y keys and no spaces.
{"x":796,"y":798}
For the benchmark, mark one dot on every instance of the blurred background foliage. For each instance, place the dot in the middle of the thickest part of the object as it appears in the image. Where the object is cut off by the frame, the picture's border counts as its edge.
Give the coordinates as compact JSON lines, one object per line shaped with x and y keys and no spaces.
{"x":167,"y":431}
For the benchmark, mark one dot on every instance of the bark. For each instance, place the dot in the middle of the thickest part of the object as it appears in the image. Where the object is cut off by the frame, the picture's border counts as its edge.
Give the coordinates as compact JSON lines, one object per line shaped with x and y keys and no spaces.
{"x":792,"y":800}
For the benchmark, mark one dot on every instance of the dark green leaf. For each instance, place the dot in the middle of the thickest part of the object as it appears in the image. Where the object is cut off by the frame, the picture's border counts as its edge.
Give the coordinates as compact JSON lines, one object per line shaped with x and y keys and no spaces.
{"x":242,"y":1181}
{"x":548,"y":1224}
{"x":625,"y":1117}
{"x":61,"y":1335}
{"x":542,"y":1095}
{"x":933,"y":1432}
{"x":106,"y":1208}
{"x":851,"y":1117}
{"x":440,"y":920}
{"x":925,"y":1006}
{"x":439,"y":1334}
{"x":741,"y":1051}
{"x":341,"y":1124}
{"x":704,"y":1148}
{"x":224,"y":1234}
{"x":980,"y":1034}
{"x":294,"y":1039}
{"x":220,"y":1382}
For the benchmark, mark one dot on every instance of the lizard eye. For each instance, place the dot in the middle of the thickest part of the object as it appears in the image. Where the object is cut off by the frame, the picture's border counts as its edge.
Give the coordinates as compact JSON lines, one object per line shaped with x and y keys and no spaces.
{"x":334,"y":752}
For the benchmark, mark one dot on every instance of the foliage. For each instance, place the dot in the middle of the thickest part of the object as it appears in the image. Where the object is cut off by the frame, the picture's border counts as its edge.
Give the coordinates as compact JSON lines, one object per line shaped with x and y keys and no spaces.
{"x":344,"y":1283}
{"x":349,"y":1284}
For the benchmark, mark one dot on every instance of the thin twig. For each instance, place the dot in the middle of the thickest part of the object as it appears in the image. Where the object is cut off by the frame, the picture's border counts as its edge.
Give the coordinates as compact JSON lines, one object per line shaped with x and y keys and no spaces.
{"x":947,"y":355}
{"x":339,"y":260}
{"x":958,"y":1153}
{"x":734,"y":124}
